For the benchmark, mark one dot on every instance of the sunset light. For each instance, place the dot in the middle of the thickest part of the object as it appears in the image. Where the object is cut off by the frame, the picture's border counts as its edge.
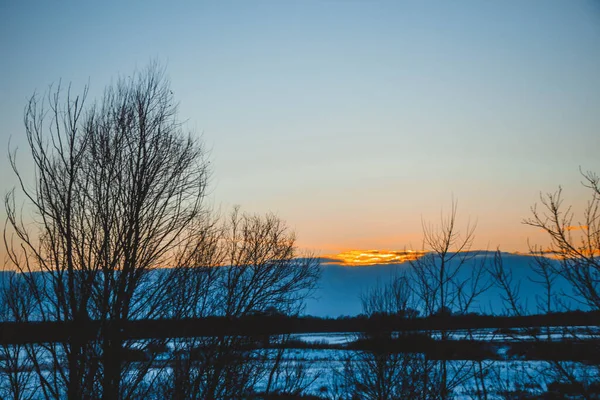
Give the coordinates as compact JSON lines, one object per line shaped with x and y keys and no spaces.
{"x":374,"y":257}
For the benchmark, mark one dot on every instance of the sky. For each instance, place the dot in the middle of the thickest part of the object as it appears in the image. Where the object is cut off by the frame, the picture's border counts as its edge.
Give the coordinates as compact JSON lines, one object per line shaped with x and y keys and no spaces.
{"x":354,"y":121}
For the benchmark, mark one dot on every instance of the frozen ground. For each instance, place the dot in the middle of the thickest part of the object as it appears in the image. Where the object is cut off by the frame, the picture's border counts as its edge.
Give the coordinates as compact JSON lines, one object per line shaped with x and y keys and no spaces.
{"x":324,"y":369}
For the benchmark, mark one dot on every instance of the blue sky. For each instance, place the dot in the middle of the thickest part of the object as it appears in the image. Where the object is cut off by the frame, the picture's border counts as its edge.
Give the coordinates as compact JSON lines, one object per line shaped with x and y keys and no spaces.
{"x":351,"y":120}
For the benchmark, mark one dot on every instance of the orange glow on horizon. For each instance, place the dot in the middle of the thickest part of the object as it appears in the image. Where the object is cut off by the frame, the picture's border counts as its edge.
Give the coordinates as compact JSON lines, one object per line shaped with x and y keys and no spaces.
{"x":373,"y":257}
{"x":577,"y":228}
{"x":559,"y":255}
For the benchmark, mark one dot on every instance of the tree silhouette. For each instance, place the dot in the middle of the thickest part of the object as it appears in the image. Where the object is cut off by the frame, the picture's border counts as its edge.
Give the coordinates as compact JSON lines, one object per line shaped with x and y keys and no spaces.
{"x":573,"y":257}
{"x":247,"y":266}
{"x":118,"y":185}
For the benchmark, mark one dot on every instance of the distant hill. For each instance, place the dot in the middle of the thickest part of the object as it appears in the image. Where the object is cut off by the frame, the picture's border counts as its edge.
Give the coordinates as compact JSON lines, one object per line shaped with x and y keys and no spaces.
{"x":340,"y":287}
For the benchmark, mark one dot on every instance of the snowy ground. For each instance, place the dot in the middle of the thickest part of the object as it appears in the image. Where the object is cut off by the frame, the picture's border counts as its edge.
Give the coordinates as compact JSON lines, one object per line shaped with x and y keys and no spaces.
{"x":325,"y":367}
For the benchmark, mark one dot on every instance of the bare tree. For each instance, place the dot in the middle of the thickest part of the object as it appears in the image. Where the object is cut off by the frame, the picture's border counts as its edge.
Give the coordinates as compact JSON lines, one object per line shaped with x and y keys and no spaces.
{"x":248,"y":266}
{"x":502,"y":278}
{"x":118,"y":185}
{"x":576,"y":246}
{"x":572,"y":258}
{"x":383,"y":373}
{"x":449,"y":277}
{"x":16,"y":304}
{"x":576,"y":249}
{"x":266,"y":270}
{"x":265,"y":273}
{"x":447,"y":280}
{"x":393,"y":298}
{"x":386,"y":376}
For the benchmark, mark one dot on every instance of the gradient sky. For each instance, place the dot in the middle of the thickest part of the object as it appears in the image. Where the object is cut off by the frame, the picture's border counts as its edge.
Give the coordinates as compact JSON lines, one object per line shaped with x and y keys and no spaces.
{"x":351,"y":120}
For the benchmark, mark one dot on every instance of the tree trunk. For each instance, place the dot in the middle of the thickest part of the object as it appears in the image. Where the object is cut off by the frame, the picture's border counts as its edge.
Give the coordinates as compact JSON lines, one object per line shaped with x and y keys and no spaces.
{"x":112,"y":361}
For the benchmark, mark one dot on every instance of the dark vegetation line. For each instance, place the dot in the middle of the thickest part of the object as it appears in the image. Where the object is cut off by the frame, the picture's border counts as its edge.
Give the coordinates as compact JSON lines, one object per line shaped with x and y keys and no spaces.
{"x":46,"y":332}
